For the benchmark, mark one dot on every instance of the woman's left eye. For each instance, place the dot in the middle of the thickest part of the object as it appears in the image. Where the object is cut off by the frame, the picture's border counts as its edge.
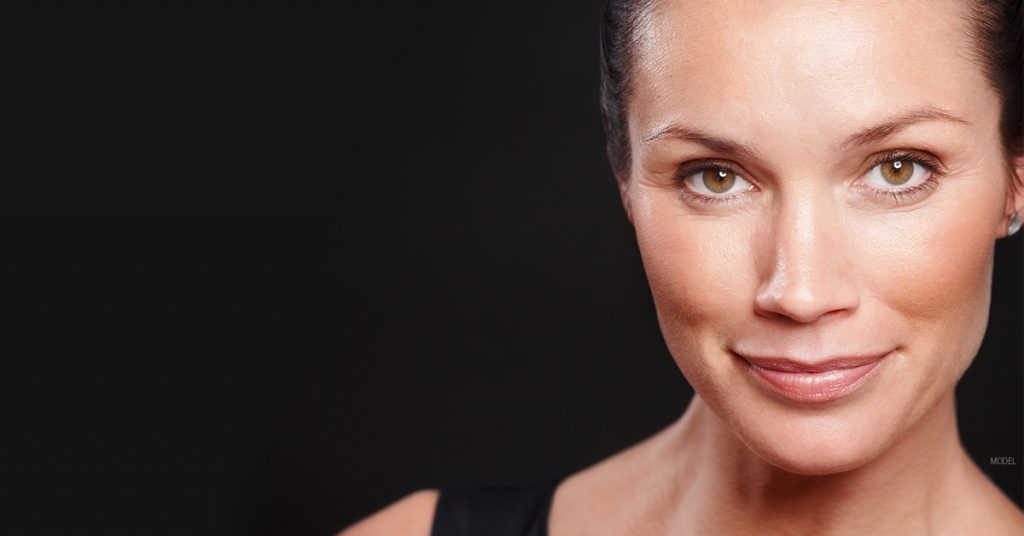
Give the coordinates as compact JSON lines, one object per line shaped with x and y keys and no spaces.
{"x":902,"y":178}
{"x":897,"y":174}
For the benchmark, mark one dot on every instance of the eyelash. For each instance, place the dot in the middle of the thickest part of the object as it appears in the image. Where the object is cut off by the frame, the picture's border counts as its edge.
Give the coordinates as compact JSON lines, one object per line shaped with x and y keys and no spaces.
{"x":701,"y":199}
{"x":931,"y":165}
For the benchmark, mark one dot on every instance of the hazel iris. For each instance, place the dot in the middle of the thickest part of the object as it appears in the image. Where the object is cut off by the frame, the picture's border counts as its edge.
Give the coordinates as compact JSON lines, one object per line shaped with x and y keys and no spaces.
{"x":897,"y":171}
{"x":719,"y":180}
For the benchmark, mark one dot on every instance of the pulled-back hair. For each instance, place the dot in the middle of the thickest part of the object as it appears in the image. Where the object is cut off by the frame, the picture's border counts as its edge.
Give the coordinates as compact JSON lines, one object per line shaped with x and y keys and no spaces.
{"x":996,"y":28}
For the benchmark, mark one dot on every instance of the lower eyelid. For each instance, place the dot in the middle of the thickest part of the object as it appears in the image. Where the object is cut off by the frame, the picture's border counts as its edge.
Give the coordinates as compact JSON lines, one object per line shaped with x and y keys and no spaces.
{"x":898,"y":195}
{"x":704,"y":200}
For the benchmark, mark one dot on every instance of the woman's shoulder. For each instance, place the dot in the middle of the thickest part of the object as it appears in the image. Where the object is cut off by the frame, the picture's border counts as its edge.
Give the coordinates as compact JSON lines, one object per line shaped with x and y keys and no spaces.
{"x":594,"y":497}
{"x":495,"y":510}
{"x":992,"y":511}
{"x":411,"y":515}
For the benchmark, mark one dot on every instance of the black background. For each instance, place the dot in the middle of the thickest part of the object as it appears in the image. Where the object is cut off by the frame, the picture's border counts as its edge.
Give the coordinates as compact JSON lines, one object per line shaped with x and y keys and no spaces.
{"x":271,"y":269}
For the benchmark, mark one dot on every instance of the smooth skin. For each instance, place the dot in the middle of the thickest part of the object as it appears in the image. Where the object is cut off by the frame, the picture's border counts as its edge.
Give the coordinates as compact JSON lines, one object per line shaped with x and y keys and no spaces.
{"x":410,"y":516}
{"x":808,"y":249}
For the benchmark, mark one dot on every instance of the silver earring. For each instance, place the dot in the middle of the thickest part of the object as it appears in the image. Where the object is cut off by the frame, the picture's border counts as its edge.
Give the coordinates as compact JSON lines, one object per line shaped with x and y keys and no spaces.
{"x":1014,"y":225}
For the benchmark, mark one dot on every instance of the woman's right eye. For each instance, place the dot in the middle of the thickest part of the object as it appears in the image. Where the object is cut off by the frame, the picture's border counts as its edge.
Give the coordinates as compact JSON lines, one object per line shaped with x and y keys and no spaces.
{"x":715,"y":182}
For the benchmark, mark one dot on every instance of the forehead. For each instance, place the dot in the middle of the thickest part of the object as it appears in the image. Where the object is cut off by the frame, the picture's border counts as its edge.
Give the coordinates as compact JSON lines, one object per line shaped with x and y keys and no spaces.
{"x":814,"y":66}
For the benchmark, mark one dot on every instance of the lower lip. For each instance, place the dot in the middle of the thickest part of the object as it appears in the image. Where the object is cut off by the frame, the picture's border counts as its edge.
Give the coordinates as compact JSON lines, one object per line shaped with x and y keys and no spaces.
{"x":814,"y":386}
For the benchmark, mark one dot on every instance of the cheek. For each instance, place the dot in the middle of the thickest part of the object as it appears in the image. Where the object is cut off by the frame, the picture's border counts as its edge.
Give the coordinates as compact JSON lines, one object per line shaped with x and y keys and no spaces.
{"x":696,"y":270}
{"x":928,"y":273}
{"x":932,"y":266}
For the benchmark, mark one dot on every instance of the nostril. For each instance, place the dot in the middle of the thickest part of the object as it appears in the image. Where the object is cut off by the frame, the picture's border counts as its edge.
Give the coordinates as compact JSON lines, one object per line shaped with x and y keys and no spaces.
{"x":807,"y":300}
{"x":799,"y":315}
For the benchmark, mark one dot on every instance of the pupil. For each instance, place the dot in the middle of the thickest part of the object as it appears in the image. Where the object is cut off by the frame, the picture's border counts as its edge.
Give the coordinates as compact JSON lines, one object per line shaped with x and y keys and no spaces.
{"x":897,"y":164}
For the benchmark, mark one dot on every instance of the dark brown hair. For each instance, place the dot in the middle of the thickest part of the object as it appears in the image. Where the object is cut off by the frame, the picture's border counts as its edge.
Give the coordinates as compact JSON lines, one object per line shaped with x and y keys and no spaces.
{"x":995,"y":27}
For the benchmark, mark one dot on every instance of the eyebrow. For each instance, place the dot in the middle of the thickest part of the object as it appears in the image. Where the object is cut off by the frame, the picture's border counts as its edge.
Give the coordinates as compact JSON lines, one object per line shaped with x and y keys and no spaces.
{"x":875,"y":133}
{"x":714,"y":143}
{"x":892,"y":126}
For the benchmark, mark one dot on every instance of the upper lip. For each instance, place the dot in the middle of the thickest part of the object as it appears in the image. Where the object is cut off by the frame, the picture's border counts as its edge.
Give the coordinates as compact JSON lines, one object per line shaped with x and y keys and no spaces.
{"x":785,"y":364}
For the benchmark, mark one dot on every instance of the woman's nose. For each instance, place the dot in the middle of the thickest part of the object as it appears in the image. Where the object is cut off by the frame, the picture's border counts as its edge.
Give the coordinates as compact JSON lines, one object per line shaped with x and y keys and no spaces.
{"x":805,"y":265}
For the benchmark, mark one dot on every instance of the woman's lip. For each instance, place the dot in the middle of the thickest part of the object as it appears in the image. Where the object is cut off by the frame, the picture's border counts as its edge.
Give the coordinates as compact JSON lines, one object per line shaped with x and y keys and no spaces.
{"x":817,"y":382}
{"x":791,"y":365}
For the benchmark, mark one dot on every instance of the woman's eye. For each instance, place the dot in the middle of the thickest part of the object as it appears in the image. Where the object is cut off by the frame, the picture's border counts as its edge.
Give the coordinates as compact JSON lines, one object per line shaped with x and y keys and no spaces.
{"x":901,"y":179}
{"x":897,"y":173}
{"x":716,"y":181}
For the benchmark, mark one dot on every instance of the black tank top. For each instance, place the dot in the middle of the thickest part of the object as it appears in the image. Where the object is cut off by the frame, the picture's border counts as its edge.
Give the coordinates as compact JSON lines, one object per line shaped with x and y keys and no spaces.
{"x":494,"y":510}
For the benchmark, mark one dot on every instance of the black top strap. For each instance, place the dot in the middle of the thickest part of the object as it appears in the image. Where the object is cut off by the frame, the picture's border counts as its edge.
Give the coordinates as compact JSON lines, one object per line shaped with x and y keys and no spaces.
{"x":494,"y":510}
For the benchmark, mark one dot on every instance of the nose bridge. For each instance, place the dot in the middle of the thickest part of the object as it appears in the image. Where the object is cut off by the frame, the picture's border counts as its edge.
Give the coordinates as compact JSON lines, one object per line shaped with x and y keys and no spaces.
{"x":805,"y":275}
{"x":799,"y":236}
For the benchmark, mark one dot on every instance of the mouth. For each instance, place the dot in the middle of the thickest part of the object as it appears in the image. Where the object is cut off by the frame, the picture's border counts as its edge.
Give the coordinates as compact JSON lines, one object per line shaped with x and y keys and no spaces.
{"x":821,"y":381}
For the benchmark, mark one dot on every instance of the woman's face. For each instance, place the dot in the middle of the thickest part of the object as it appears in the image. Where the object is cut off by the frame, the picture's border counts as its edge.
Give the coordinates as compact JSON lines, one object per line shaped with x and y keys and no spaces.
{"x":813,"y":181}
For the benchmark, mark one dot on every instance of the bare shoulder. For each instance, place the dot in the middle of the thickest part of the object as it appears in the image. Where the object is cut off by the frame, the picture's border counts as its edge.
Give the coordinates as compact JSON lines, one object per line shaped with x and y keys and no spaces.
{"x":1003,"y":515}
{"x":1005,"y":518}
{"x":605,"y":497}
{"x":988,"y":510}
{"x":411,"y":515}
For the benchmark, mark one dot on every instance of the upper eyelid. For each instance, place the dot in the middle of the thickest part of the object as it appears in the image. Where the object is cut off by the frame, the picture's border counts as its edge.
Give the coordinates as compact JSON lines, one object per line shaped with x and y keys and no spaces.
{"x":930,"y":161}
{"x":694,"y":166}
{"x":689,"y":168}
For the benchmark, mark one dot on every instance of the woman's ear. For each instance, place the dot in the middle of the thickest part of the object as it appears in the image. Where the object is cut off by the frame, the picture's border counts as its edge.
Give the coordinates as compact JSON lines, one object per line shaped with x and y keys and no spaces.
{"x":1015,"y":197}
{"x":1018,"y":172}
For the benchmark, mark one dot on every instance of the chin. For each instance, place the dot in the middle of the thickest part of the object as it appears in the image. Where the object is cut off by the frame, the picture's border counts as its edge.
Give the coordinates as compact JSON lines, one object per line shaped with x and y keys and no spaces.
{"x":818,"y":443}
{"x":812,"y":439}
{"x":820,"y":458}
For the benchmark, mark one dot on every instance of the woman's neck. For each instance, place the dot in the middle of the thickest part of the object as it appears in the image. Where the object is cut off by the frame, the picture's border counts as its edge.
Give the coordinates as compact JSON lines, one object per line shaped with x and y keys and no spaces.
{"x":697,"y":477}
{"x":916,"y":486}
